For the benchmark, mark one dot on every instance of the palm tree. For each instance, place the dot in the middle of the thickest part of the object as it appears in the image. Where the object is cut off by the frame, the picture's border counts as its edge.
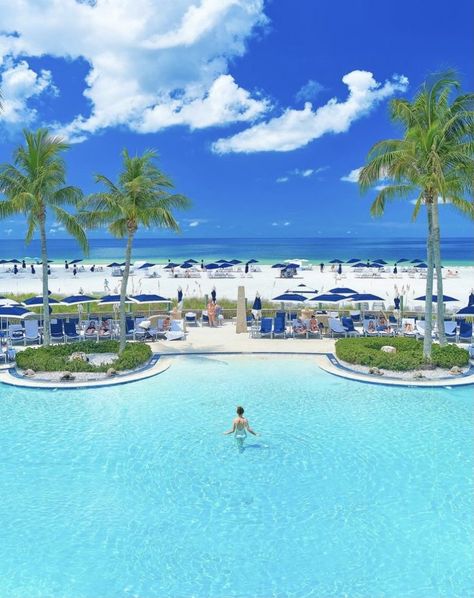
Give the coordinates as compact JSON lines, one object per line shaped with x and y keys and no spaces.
{"x":35,"y":185}
{"x":434,"y":159}
{"x":141,"y":198}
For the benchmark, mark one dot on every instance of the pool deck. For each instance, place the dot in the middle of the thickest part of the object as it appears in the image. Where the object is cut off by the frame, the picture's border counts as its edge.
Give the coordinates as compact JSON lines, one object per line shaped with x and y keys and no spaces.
{"x":224,"y":340}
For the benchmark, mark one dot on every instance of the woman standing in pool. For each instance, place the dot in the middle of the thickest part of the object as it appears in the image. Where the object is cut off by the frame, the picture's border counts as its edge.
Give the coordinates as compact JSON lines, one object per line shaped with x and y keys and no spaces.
{"x":240,"y":426}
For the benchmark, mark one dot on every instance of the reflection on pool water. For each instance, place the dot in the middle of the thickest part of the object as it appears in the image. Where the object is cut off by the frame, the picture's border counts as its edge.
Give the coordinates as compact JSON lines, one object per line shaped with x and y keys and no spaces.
{"x":351,"y":489}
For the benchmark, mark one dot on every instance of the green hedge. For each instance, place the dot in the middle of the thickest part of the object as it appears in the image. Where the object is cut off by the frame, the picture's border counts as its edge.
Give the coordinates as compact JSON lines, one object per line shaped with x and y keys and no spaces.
{"x":409,"y":355}
{"x":55,"y":357}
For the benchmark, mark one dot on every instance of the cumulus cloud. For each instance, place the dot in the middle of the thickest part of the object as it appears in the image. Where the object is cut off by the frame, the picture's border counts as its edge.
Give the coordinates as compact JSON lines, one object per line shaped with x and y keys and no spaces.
{"x":296,"y":128}
{"x":153,"y":63}
{"x":19,"y":84}
{"x":298,"y":172}
{"x":353,"y":176}
{"x":282,"y":179}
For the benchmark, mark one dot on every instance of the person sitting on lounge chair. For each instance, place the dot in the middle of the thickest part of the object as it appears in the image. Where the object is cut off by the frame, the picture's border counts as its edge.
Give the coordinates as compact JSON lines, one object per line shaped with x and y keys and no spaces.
{"x":166,"y":324}
{"x":298,"y":326}
{"x":408,"y":328}
{"x":91,"y":328}
{"x":382,"y":323}
{"x":104,"y":328}
{"x":313,"y":324}
{"x":371,"y":326}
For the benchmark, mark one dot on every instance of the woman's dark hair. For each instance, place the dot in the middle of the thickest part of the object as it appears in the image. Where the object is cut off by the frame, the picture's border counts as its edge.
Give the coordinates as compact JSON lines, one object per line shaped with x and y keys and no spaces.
{"x":240,"y":410}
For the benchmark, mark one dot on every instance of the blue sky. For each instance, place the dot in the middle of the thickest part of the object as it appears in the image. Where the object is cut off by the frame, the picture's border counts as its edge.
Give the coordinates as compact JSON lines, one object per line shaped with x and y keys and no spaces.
{"x":258,"y":110}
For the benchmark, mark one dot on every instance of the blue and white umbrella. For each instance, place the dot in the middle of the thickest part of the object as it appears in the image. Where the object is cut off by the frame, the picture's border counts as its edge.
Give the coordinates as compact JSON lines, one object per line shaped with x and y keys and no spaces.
{"x":446,"y":298}
{"x":290,"y":297}
{"x":15,"y":312}
{"x":111,"y":299}
{"x":342,"y":291}
{"x":383,"y":262}
{"x":358,"y":297}
{"x":328,"y":298}
{"x":171,"y":265}
{"x":8,"y":302}
{"x":145,"y":266}
{"x":78,"y":300}
{"x":257,"y":304}
{"x":38,"y":301}
{"x":353,"y":260}
{"x":212,"y":266}
{"x":336,"y":261}
{"x":468,"y":310}
{"x":148,"y":298}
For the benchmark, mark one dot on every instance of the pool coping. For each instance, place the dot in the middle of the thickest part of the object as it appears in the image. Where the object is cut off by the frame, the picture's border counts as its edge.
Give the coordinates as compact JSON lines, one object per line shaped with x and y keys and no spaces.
{"x":160,"y":362}
{"x":156,"y":365}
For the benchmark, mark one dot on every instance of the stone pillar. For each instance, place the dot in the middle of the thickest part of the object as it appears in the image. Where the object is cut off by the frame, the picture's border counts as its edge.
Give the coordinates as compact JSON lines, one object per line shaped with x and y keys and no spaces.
{"x":241,"y":323}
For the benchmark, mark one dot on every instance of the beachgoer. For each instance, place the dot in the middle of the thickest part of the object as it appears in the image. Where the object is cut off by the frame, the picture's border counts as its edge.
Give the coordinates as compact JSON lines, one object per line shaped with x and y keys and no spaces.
{"x":321,"y":267}
{"x":66,"y":265}
{"x":93,"y":268}
{"x":240,"y":427}
{"x":339,"y":269}
{"x":106,"y":286}
{"x":166,"y":324}
{"x":15,"y":269}
{"x":23,"y":264}
{"x":371,"y":326}
{"x":298,"y":326}
{"x":33,"y":271}
{"x":91,"y":328}
{"x":74,"y":270}
{"x":313,"y":324}
{"x":104,"y":328}
{"x":49,"y":270}
{"x":408,"y":328}
{"x":211,"y":313}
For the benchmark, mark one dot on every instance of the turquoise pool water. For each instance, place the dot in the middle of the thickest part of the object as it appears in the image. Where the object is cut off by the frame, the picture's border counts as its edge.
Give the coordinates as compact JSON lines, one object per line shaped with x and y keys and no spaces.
{"x":351,"y":490}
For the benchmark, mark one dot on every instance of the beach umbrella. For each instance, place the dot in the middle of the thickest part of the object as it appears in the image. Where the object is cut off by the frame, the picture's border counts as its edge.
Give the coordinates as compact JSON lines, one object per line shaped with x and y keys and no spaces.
{"x":257,"y":304}
{"x":404,"y":259}
{"x":416,"y":261}
{"x":180,"y":295}
{"x":38,"y":301}
{"x":212,"y":266}
{"x":446,"y":298}
{"x":360,"y":265}
{"x":225,"y":265}
{"x":468,"y":310}
{"x":14,"y":312}
{"x":302,"y":289}
{"x":383,"y":262}
{"x":342,"y":291}
{"x":279,"y":265}
{"x":336,"y":262}
{"x":375,"y":265}
{"x":8,"y":302}
{"x":358,"y":297}
{"x":146,"y":265}
{"x":113,"y":265}
{"x":328,"y":298}
{"x":76,"y":261}
{"x":213,"y":294}
{"x":78,"y":299}
{"x":148,"y":298}
{"x":421,"y":265}
{"x":221,"y":261}
{"x":235,"y":262}
{"x":470,"y":299}
{"x":171,"y":265}
{"x":252,"y":261}
{"x":14,"y":261}
{"x":353,"y":260}
{"x":110,"y":299}
{"x":191,"y":261}
{"x":292,"y":266}
{"x":292,"y":297}
{"x":186,"y":266}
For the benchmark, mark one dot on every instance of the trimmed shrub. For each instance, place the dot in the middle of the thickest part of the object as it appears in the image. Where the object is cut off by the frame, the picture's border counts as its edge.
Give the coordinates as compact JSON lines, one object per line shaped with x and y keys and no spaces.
{"x":55,"y":358}
{"x":409,"y":355}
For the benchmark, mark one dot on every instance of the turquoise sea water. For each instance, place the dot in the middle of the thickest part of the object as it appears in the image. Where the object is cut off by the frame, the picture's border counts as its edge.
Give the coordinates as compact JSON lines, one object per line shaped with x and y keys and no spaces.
{"x":458,"y":251}
{"x":351,"y":490}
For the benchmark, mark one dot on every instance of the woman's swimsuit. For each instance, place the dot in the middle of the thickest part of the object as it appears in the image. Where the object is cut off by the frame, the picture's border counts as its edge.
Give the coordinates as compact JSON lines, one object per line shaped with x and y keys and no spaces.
{"x":240,"y":433}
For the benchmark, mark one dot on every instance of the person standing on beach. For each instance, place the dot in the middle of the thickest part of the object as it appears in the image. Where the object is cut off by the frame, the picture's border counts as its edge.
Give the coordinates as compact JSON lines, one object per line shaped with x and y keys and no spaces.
{"x":74,"y":270}
{"x":211,"y":313}
{"x":66,"y":265}
{"x":240,"y":427}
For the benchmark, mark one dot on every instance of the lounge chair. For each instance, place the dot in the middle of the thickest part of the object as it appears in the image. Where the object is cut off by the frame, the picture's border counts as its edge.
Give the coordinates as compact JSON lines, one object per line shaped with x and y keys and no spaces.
{"x":336,"y":327}
{"x":370,"y":329}
{"x":129,"y":328}
{"x":465,"y":331}
{"x":450,"y":329}
{"x":266,"y":327}
{"x":190,"y":318}
{"x":297,"y":332}
{"x":16,"y":333}
{"x":57,"y":332}
{"x":348,"y":325}
{"x":355,"y":315}
{"x":279,"y":327}
{"x":204,"y":318}
{"x":32,"y":334}
{"x":408,"y":326}
{"x":92,"y":334}
{"x":421,"y":330}
{"x":70,"y":332}
{"x":176,"y":331}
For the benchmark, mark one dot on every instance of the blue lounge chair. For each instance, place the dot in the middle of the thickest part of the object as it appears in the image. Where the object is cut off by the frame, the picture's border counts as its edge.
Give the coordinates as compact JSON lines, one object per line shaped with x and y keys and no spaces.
{"x":129,"y":328}
{"x":16,"y":333}
{"x":32,"y":334}
{"x":266,"y":327}
{"x":70,"y":332}
{"x":57,"y":332}
{"x":450,"y":329}
{"x":465,"y":331}
{"x":279,"y":327}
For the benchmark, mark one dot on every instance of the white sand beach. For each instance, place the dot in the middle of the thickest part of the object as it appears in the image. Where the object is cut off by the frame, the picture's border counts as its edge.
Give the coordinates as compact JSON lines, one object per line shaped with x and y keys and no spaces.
{"x":458,"y":282}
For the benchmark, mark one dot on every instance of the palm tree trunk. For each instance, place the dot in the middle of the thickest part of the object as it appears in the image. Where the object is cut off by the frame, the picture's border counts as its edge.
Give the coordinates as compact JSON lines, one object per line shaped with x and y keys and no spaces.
{"x":123,"y":291}
{"x":44,"y":261}
{"x":439,"y":274}
{"x":427,"y":342}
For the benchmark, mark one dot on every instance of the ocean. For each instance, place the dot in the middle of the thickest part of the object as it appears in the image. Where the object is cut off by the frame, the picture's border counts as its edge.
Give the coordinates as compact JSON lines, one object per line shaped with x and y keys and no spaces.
{"x":455,"y":251}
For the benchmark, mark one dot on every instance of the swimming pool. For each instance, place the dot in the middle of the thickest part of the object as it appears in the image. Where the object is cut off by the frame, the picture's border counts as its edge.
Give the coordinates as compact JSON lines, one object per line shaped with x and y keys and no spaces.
{"x":351,"y":490}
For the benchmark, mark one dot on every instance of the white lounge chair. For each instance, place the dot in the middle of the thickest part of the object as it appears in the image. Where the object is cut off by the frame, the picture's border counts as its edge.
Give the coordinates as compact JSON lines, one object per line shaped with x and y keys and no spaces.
{"x":176,"y":331}
{"x":336,"y":327}
{"x":408,"y":327}
{"x":370,"y":329}
{"x":32,"y":334}
{"x":421,"y":331}
{"x":16,"y":333}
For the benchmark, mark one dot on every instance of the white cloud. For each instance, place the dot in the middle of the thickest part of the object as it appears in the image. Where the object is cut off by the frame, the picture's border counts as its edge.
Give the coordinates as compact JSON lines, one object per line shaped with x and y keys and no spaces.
{"x":286,"y":223}
{"x":20,"y":83}
{"x":282,"y":179}
{"x":296,"y":128}
{"x":353,"y":176}
{"x":153,"y":63}
{"x":194,"y":223}
{"x":8,"y":231}
{"x":309,"y":91}
{"x":274,"y":223}
{"x":298,"y":172}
